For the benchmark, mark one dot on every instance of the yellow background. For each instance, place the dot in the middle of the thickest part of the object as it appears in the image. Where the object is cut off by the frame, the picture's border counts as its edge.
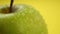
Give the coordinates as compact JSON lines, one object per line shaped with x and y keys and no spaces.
{"x":49,"y":9}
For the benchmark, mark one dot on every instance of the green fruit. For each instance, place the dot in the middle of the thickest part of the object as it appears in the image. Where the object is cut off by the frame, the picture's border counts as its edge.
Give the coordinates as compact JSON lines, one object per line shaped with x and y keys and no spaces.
{"x":23,"y":20}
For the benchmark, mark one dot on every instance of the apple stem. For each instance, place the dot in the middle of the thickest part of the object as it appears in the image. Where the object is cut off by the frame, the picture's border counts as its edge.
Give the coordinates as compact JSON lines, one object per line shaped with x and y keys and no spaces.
{"x":11,"y":4}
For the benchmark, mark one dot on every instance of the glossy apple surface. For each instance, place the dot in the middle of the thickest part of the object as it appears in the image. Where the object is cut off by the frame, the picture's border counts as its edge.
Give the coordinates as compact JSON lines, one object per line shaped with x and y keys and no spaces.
{"x":23,"y":20}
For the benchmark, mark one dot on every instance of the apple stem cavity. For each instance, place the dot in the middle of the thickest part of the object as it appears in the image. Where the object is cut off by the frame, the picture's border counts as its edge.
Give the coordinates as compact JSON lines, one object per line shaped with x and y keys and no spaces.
{"x":11,"y":5}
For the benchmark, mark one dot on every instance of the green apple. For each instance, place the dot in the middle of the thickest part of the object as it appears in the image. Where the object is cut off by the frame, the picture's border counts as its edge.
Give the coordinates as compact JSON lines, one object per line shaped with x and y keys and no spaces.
{"x":21,"y":19}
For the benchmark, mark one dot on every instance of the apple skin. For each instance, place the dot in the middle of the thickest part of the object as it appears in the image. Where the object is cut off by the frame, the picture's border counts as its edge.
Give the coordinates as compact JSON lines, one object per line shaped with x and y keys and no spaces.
{"x":25,"y":20}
